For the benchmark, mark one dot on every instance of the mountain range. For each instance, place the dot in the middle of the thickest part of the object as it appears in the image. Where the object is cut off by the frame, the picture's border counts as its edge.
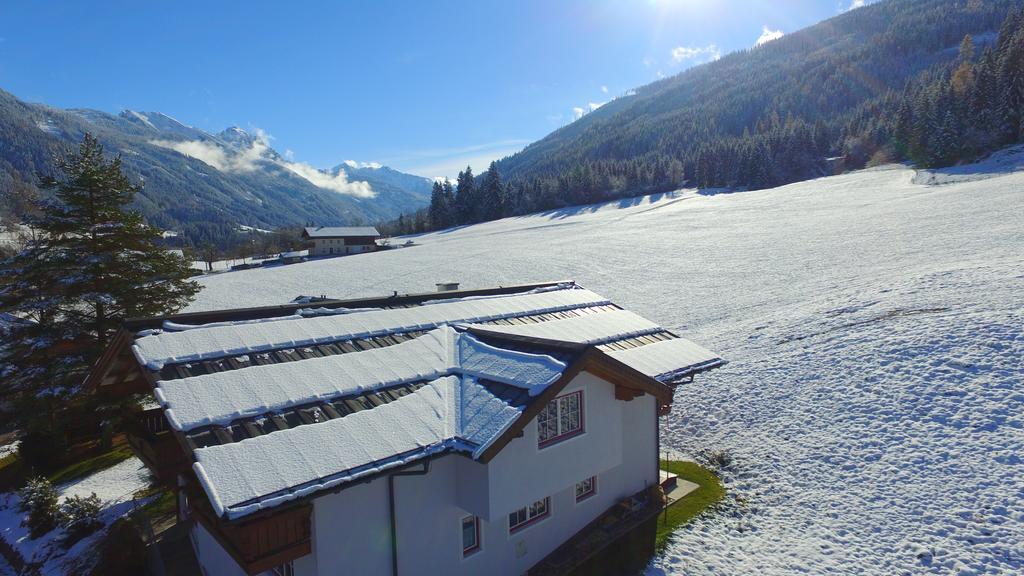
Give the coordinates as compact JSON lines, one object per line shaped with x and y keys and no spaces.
{"x":202,"y":185}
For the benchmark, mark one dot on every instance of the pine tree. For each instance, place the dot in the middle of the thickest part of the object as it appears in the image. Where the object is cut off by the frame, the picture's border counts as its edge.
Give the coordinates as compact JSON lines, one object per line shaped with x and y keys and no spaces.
{"x":491,"y":197}
{"x":465,"y":197}
{"x":92,"y":264}
{"x":438,"y":207}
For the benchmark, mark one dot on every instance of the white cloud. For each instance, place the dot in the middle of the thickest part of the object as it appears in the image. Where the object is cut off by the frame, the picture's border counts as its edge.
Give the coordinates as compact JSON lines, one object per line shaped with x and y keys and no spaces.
{"x":707,"y":53}
{"x":213,"y":155}
{"x":767,"y":35}
{"x":354,"y":164}
{"x":248,"y":159}
{"x":604,"y":89}
{"x":579,"y":111}
{"x":336,"y":182}
{"x":856,"y":4}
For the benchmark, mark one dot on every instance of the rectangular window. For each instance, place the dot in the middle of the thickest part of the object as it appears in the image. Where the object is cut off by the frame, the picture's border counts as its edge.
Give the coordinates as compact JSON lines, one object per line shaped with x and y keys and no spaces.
{"x":562,"y":418}
{"x":529,"y":514}
{"x":470,"y":535}
{"x":586,"y":488}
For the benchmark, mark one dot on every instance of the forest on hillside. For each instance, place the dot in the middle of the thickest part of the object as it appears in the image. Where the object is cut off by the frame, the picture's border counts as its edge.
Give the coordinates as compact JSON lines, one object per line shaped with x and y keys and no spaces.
{"x":933,"y":83}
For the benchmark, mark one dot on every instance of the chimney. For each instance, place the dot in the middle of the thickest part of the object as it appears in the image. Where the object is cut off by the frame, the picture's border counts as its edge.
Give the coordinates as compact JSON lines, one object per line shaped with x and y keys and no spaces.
{"x":447,"y":286}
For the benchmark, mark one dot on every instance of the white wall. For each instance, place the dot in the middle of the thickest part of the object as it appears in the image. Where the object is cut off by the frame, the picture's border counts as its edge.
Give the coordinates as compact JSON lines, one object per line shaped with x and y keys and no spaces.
{"x":322,"y":247}
{"x":351,"y":528}
{"x":214,"y":560}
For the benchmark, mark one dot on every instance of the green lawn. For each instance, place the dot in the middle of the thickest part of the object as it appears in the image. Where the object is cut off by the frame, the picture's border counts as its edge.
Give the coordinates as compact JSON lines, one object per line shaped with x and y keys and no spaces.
{"x":710,"y":493}
{"x":89,"y":465}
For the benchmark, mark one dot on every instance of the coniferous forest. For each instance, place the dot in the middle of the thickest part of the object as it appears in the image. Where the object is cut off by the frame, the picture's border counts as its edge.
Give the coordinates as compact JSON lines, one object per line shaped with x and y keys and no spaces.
{"x":930,"y":82}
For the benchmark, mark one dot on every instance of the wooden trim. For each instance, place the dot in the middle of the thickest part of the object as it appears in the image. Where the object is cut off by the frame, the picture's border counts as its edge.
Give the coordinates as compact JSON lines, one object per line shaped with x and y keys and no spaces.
{"x":533,"y":409}
{"x":243,"y":541}
{"x":599,"y":364}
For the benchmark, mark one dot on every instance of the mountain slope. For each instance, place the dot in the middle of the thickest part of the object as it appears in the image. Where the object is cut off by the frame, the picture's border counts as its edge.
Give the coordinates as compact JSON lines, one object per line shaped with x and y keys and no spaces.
{"x":872,"y":405}
{"x":200,"y":184}
{"x":819,"y":77}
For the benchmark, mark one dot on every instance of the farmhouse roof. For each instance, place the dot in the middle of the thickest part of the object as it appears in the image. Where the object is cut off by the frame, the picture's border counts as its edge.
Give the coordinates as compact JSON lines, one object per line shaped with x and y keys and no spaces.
{"x":277,"y":404}
{"x":340,"y":231}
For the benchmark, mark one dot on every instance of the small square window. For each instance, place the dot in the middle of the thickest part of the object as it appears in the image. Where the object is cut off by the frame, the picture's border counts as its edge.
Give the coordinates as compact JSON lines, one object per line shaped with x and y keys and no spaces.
{"x":586,"y":488}
{"x":470,"y":535}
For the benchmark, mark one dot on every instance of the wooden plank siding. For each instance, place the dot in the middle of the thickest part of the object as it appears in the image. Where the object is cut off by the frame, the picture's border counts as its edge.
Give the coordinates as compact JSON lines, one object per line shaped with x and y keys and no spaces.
{"x":260,"y":543}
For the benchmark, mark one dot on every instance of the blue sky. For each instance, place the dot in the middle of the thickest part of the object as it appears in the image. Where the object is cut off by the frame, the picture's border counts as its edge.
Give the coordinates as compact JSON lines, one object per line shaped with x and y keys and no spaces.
{"x":425,"y":87}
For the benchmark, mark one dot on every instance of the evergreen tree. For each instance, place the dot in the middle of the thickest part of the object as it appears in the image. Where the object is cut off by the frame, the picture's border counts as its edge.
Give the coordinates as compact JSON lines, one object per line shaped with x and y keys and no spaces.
{"x":465,"y":197}
{"x":492,"y":202}
{"x":91,"y":264}
{"x":438,"y":207}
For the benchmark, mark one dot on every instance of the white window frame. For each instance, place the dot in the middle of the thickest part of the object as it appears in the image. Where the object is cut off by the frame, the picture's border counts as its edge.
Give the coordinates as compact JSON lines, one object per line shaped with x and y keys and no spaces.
{"x":560,"y":405}
{"x":529,"y":515}
{"x":589,"y":493}
{"x":286,"y":569}
{"x":478,"y":546}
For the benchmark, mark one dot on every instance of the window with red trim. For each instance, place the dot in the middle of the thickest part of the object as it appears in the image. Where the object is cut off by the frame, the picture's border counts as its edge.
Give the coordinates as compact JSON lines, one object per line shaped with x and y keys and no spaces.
{"x":586,"y":488}
{"x":561,"y":419}
{"x":529,"y":514}
{"x":470,"y":535}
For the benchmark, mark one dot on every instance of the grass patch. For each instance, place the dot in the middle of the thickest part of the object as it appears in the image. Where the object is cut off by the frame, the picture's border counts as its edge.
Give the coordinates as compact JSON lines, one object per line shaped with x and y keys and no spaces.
{"x":164,"y":504}
{"x":711,"y":492}
{"x":12,"y":472}
{"x":90,"y":465}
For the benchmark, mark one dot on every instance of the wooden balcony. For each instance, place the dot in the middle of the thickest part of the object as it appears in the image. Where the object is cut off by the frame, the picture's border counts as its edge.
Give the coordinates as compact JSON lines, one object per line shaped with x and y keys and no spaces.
{"x":154,"y":443}
{"x":262,"y":542}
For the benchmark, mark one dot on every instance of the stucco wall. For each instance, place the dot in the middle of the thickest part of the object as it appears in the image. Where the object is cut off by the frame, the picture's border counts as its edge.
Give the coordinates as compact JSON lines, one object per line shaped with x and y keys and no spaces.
{"x":214,"y":560}
{"x":323,"y":246}
{"x":351,"y":528}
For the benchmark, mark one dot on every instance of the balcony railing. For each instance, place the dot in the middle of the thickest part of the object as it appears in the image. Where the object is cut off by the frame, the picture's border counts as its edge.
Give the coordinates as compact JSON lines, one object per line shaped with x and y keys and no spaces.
{"x":154,"y":443}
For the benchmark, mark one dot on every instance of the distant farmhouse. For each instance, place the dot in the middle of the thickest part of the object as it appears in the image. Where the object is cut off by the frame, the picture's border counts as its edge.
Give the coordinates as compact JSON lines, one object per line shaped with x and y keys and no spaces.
{"x":333,"y":241}
{"x":463,"y":432}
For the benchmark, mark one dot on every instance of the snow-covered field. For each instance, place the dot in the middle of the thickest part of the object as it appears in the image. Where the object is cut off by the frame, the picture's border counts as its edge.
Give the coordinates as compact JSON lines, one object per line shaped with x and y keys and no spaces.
{"x":116,"y":487}
{"x":874,"y":402}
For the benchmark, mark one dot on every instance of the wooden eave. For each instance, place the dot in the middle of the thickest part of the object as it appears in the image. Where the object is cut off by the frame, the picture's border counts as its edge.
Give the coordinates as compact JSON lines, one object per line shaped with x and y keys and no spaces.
{"x":599,"y":364}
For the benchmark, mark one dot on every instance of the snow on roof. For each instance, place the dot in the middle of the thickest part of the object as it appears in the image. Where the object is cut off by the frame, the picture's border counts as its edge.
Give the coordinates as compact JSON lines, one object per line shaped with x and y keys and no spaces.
{"x":156,"y":350}
{"x":221,"y":397}
{"x":265,"y":471}
{"x":340,"y":231}
{"x":465,"y":406}
{"x":668,"y":359}
{"x":588,"y":329}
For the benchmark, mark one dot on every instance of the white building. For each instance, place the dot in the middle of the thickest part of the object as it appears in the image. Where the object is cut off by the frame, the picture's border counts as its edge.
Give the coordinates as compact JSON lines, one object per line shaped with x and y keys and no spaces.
{"x":336,"y":241}
{"x":446,"y":433}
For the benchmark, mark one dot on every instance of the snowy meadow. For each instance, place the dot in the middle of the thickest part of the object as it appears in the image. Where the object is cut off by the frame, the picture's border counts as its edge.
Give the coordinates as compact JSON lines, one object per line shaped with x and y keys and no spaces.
{"x":873,"y":407}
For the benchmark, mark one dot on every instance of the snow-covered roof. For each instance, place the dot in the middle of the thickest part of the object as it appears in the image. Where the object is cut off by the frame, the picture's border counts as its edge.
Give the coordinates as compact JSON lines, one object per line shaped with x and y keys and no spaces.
{"x":277,"y":408}
{"x":448,"y":413}
{"x":293,"y":331}
{"x":341,"y":231}
{"x":221,"y":397}
{"x":669,"y":359}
